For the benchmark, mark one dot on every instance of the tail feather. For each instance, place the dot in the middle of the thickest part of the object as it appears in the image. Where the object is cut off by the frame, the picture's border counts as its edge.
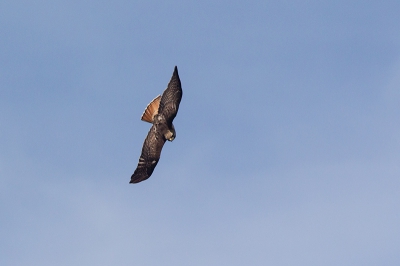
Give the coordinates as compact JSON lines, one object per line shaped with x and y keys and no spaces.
{"x":151,"y":110}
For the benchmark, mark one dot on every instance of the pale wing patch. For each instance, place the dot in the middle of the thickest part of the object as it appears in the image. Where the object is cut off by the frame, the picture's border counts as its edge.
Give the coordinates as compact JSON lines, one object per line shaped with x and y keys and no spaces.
{"x":151,"y":110}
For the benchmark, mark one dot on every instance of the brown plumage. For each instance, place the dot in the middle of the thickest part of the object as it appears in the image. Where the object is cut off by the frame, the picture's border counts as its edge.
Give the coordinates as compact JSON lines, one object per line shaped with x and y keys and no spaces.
{"x":161,"y":111}
{"x":151,"y":110}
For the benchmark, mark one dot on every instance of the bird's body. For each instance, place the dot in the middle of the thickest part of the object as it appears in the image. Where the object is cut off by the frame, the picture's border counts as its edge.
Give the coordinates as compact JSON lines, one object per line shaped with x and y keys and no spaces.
{"x":161,"y":111}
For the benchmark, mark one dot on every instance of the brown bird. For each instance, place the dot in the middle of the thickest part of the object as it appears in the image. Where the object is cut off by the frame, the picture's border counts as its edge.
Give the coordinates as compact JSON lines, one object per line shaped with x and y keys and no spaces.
{"x":161,"y":111}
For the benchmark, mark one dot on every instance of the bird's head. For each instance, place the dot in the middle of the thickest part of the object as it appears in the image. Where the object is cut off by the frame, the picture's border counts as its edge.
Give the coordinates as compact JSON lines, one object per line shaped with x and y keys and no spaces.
{"x":171,"y":134}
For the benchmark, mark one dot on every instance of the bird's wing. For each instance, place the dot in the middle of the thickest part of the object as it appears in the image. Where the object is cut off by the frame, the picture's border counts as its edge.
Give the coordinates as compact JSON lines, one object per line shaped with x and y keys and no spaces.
{"x":151,"y":152}
{"x":171,"y":98}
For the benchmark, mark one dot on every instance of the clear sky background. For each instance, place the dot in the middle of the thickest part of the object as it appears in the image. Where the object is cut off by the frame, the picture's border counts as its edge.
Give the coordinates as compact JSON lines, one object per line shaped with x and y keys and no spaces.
{"x":288,"y":133}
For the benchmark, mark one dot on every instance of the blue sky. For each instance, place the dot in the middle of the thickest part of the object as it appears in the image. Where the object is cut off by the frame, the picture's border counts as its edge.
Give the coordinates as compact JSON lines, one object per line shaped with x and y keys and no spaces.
{"x":287,"y":147}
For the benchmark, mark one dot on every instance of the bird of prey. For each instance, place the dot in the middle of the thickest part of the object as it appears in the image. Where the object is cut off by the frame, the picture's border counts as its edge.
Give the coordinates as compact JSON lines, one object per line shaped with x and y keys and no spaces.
{"x":161,"y":111}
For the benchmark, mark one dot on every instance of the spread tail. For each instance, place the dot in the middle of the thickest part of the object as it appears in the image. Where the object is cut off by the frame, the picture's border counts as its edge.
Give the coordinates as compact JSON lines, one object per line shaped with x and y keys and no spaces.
{"x":151,"y":110}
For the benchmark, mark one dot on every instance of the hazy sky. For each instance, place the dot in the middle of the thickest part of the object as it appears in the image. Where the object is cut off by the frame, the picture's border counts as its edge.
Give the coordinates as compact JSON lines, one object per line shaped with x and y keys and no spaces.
{"x":288,"y":133}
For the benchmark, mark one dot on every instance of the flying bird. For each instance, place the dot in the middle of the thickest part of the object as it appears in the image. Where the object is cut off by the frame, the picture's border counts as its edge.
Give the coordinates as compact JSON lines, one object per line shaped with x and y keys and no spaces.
{"x":161,"y":111}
